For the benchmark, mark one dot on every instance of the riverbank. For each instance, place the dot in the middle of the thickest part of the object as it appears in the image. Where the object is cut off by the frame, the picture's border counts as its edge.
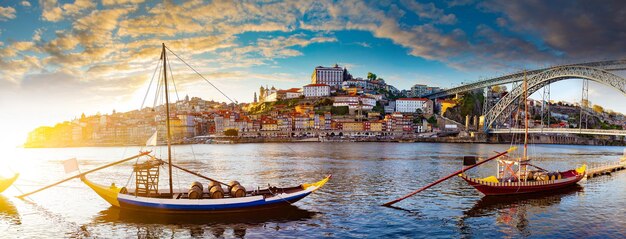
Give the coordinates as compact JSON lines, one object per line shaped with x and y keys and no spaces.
{"x":493,"y":139}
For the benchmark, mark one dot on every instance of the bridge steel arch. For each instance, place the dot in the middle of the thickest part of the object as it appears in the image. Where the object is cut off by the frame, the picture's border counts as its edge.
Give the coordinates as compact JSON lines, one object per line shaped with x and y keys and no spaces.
{"x":506,"y":105}
{"x":611,"y":65}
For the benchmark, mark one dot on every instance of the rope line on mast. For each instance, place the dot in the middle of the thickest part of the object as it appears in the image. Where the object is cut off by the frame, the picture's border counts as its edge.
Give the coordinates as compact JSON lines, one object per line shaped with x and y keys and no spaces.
{"x":158,"y":90}
{"x":145,"y":97}
{"x":169,"y":65}
{"x":198,"y":73}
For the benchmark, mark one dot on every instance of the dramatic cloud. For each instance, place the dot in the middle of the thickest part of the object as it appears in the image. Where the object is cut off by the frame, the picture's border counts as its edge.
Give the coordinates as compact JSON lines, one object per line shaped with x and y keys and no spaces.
{"x":430,"y":11}
{"x":122,"y":36}
{"x":6,"y":13}
{"x":577,"y":29}
{"x":120,"y":2}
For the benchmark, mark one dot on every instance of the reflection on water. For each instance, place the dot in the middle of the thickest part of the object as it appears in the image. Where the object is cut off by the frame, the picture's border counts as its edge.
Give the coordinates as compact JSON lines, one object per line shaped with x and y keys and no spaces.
{"x":198,"y":224}
{"x":8,"y":212}
{"x":365,"y":175}
{"x":513,"y":211}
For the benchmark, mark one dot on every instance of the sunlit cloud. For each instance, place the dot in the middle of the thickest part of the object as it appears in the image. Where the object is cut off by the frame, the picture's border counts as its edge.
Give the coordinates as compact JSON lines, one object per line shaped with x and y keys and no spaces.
{"x":6,"y":13}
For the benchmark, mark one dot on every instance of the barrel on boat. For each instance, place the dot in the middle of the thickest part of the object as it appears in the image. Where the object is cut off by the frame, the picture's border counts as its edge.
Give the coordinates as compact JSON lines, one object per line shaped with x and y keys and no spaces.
{"x":215,"y":190}
{"x":236,"y":190}
{"x":195,"y":191}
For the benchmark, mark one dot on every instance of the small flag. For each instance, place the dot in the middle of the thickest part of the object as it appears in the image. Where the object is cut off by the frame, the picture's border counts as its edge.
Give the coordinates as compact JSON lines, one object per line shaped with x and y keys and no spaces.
{"x":70,"y":165}
{"x":152,"y":141}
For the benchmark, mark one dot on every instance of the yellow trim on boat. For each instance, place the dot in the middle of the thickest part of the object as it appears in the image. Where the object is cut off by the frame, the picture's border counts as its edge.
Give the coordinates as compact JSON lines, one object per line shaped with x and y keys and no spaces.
{"x":318,"y":184}
{"x":490,"y":179}
{"x":7,"y":182}
{"x":107,"y":193}
{"x":582,"y":169}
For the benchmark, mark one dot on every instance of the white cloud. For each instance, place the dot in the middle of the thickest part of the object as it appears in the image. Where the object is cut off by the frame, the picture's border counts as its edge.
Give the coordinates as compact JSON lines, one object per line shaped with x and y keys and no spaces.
{"x":120,"y":2}
{"x":6,"y":13}
{"x":25,"y":3}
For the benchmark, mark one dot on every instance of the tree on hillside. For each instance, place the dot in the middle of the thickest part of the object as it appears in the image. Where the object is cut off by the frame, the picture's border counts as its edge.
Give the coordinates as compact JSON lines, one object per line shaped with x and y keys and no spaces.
{"x":371,"y":76}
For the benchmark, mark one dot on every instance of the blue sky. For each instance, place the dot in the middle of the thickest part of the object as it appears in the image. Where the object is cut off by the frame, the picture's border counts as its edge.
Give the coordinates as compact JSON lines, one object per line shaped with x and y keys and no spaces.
{"x":61,"y":58}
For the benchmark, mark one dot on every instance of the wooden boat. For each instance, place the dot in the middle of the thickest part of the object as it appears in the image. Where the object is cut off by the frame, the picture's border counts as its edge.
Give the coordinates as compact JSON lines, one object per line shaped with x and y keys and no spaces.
{"x":7,"y":182}
{"x":514,"y":177}
{"x":491,"y":186}
{"x":181,"y":203}
{"x":149,"y":198}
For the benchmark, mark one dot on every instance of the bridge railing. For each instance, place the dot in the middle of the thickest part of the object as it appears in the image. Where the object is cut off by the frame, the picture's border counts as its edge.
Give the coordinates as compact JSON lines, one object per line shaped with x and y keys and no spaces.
{"x":559,"y":131}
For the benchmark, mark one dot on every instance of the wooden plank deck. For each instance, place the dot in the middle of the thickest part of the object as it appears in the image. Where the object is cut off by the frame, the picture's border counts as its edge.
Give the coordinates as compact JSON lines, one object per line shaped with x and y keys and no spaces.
{"x":606,"y":168}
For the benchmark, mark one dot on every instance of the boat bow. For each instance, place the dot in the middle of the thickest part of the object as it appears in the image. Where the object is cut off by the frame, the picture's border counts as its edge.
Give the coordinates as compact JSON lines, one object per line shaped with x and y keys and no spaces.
{"x":109,"y":193}
{"x":7,"y":182}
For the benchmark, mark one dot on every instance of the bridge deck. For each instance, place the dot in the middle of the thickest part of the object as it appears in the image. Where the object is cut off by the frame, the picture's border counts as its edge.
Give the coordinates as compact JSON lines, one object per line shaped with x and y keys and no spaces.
{"x":559,"y":131}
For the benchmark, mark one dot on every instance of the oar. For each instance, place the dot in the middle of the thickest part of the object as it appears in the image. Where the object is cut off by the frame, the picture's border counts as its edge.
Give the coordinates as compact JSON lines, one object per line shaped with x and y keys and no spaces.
{"x":195,"y":173}
{"x":448,"y":177}
{"x":84,"y":173}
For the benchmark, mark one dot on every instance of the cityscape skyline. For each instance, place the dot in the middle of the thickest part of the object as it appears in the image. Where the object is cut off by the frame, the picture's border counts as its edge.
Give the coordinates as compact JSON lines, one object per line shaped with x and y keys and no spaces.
{"x":63,"y":58}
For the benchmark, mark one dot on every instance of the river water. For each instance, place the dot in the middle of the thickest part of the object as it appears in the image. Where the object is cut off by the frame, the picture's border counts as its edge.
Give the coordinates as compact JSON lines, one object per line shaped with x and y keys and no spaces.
{"x":365,"y":175}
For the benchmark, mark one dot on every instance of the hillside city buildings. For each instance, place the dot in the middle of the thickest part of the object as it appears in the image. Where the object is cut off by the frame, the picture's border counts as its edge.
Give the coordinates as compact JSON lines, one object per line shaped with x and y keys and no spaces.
{"x":334,"y":104}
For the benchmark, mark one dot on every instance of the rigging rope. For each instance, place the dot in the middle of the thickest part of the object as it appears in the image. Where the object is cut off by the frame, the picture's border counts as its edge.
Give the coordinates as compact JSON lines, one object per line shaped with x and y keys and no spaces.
{"x":150,"y":85}
{"x":205,"y":79}
{"x":158,"y":91}
{"x":169,"y":65}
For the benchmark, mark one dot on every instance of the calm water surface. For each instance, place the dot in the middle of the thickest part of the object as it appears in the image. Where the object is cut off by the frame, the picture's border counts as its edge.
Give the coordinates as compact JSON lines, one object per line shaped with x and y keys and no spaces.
{"x":364,"y":176}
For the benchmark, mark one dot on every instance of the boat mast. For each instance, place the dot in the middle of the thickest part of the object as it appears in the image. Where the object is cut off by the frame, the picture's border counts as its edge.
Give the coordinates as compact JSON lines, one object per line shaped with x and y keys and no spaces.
{"x":167,"y":121}
{"x":525,"y":157}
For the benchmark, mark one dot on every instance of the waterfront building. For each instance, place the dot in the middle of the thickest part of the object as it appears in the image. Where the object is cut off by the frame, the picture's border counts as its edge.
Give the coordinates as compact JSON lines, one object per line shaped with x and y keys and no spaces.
{"x":355,"y":102}
{"x":390,"y":107}
{"x":376,"y":126}
{"x":410,"y":105}
{"x":418,"y":90}
{"x":292,"y":93}
{"x":352,"y":126}
{"x":429,"y":107}
{"x":332,"y":76}
{"x":269,"y":124}
{"x":316,"y":90}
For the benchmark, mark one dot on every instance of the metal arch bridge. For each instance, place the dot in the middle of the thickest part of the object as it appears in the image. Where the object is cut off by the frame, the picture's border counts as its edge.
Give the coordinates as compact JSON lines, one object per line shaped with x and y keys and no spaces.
{"x":559,"y":131}
{"x":507,"y":104}
{"x":611,"y":65}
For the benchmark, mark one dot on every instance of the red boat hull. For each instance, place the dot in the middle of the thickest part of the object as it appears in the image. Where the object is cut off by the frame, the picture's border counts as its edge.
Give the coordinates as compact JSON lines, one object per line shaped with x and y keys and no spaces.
{"x":510,"y":188}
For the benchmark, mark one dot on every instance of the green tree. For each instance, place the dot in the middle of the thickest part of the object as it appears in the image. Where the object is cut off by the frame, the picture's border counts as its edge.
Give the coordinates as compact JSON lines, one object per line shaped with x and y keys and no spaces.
{"x":371,"y":76}
{"x":231,"y":132}
{"x":432,"y":120}
{"x":339,"y":110}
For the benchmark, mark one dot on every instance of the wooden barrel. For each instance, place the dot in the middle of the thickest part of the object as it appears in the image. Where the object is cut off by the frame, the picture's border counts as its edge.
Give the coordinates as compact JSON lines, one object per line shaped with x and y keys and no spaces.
{"x":195,"y":191}
{"x":216,"y":192}
{"x":237,"y":191}
{"x":212,"y":183}
{"x":231,"y":184}
{"x":197,"y":184}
